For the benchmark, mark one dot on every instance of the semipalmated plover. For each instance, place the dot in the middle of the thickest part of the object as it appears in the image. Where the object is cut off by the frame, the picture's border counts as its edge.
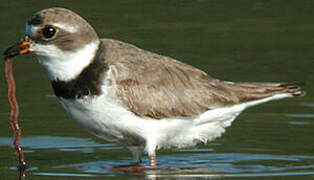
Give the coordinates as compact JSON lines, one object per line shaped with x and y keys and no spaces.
{"x":133,"y":97}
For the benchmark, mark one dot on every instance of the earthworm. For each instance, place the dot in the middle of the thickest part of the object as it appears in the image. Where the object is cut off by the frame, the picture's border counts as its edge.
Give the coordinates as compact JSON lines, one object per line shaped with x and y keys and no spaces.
{"x":14,"y":113}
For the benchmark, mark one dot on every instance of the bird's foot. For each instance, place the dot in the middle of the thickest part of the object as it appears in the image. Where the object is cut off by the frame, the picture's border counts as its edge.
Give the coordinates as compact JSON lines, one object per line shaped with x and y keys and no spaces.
{"x":130,"y":167}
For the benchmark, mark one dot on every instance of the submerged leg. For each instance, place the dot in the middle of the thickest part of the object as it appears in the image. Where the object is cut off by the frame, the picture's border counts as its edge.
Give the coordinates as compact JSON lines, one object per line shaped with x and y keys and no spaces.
{"x":150,"y":148}
{"x":152,"y":160}
{"x":136,"y":153}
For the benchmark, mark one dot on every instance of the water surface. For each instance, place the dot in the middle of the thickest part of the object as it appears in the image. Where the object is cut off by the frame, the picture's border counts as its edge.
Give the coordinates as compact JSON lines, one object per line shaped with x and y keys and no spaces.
{"x":240,"y":41}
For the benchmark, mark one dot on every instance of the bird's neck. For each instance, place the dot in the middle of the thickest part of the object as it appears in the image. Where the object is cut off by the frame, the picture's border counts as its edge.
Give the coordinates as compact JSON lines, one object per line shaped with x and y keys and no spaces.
{"x":66,"y":66}
{"x":87,"y":83}
{"x":81,"y":76}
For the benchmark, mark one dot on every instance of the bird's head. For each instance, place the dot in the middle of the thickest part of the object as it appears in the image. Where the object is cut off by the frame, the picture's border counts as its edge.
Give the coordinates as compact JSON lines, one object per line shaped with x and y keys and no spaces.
{"x":60,"y":39}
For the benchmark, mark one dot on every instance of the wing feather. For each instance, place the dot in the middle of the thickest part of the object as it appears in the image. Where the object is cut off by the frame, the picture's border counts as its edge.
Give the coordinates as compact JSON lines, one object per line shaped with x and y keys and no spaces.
{"x":156,"y":86}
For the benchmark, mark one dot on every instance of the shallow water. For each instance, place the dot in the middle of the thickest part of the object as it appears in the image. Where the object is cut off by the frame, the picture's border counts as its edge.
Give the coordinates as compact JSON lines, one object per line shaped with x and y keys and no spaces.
{"x":243,"y":41}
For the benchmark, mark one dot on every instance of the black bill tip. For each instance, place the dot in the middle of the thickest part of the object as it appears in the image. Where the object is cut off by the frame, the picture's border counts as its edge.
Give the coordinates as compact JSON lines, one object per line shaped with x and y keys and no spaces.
{"x":11,"y":51}
{"x":21,"y":47}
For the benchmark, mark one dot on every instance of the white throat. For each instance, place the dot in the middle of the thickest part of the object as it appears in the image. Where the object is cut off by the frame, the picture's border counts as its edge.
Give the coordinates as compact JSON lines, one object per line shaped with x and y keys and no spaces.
{"x":65,"y":65}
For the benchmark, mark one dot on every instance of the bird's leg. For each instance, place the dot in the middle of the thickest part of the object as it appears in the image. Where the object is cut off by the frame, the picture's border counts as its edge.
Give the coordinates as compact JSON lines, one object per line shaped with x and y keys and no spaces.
{"x":136,"y":153}
{"x":152,"y":160}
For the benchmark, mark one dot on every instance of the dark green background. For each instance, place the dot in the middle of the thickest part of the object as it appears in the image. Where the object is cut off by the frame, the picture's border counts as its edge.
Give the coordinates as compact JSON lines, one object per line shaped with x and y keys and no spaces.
{"x":244,"y":40}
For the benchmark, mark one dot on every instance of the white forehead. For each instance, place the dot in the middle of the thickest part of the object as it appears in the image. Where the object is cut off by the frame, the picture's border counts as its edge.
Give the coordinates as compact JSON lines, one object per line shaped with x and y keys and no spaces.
{"x":32,"y":29}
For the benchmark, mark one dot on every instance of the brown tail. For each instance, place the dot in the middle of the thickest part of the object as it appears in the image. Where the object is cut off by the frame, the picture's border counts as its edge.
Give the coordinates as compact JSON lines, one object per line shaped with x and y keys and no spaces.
{"x":252,"y":91}
{"x":294,"y":88}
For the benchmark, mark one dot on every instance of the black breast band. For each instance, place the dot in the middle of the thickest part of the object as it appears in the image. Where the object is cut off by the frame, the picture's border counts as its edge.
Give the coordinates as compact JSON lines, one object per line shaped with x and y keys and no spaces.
{"x":88,"y":82}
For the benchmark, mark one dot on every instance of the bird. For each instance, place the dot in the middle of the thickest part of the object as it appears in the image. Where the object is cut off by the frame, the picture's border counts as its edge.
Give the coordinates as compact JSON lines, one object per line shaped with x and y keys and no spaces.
{"x":133,"y":97}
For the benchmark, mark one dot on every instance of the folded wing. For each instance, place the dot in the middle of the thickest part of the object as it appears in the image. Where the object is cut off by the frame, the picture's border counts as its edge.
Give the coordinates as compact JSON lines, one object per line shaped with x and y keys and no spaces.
{"x":159,"y":87}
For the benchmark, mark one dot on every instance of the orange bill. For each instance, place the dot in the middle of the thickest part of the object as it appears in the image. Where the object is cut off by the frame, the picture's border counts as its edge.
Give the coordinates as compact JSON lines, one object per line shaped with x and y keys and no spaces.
{"x":21,"y":47}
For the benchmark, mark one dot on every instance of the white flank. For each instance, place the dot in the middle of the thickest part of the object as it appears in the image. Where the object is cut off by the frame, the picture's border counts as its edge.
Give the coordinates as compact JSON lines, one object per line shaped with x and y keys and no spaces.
{"x":106,"y":117}
{"x":64,"y":65}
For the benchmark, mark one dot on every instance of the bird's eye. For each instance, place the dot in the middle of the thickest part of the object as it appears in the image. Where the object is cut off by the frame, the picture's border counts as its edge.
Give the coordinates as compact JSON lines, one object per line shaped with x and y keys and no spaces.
{"x":49,"y":32}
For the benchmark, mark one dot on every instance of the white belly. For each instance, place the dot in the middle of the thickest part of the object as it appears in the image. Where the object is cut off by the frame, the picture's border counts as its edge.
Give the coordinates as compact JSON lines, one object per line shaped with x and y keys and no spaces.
{"x":114,"y":123}
{"x":105,"y":118}
{"x":99,"y":118}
